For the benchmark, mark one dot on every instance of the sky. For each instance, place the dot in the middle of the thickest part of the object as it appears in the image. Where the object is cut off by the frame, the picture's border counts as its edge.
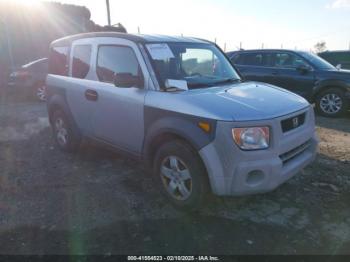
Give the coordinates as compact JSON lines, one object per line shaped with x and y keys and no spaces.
{"x":251,"y":24}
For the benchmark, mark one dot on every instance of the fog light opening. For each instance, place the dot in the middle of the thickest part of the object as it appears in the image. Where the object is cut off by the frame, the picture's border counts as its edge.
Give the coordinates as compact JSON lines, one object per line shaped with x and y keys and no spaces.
{"x":255,"y":177}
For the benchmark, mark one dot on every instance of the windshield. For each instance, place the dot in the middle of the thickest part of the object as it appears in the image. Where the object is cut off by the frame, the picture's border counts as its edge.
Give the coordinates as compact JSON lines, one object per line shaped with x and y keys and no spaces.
{"x":200,"y":65}
{"x":317,"y":61}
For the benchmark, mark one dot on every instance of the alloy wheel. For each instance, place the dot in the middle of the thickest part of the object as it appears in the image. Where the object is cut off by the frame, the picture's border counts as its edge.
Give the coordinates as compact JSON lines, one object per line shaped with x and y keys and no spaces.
{"x":176,"y":178}
{"x":61,"y":132}
{"x":41,"y":93}
{"x":331,"y":103}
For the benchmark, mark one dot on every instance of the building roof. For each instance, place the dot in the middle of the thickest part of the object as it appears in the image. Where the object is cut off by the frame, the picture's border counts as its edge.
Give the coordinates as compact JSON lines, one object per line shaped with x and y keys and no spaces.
{"x":132,"y":37}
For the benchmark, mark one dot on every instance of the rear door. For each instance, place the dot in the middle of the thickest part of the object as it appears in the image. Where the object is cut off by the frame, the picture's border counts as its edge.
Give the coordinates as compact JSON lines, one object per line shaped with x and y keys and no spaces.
{"x":256,"y":66}
{"x":289,"y":75}
{"x":80,"y":70}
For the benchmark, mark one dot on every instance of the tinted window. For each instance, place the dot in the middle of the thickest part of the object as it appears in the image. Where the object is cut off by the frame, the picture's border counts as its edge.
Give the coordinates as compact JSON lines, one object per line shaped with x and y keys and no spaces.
{"x":253,"y":59}
{"x":58,"y":61}
{"x":81,"y":61}
{"x":237,"y":59}
{"x":317,"y":61}
{"x":116,"y":59}
{"x":288,"y":60}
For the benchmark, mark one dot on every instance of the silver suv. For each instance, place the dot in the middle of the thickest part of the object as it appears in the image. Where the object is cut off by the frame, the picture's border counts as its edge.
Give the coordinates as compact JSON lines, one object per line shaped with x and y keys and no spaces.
{"x":180,"y":106}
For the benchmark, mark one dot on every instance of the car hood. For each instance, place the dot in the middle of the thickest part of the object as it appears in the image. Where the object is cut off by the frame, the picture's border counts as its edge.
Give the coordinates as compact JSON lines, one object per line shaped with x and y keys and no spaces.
{"x":338,"y":74}
{"x":237,"y":102}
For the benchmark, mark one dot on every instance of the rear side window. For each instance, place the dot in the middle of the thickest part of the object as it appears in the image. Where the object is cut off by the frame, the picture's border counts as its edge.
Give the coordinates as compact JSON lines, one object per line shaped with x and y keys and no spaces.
{"x":253,"y":59}
{"x":237,"y":59}
{"x":81,"y":61}
{"x":58,"y":61}
{"x":116,"y":59}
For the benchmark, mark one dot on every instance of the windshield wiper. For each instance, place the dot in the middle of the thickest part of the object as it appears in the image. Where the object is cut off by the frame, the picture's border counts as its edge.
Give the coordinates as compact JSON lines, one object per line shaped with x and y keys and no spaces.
{"x":211,"y":84}
{"x":199,"y":85}
{"x":226,"y":81}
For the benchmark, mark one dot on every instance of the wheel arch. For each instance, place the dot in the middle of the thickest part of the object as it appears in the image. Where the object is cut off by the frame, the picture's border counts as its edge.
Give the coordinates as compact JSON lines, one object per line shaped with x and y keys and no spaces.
{"x":154,"y":142}
{"x":58,"y":102}
{"x":328,"y":84}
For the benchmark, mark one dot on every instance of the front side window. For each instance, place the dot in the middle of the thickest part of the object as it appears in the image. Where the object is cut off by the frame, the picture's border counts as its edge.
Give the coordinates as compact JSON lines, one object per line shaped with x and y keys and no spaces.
{"x":200,"y":65}
{"x":317,"y":61}
{"x":288,"y":60}
{"x":58,"y":60}
{"x":112,"y":60}
{"x":81,"y":61}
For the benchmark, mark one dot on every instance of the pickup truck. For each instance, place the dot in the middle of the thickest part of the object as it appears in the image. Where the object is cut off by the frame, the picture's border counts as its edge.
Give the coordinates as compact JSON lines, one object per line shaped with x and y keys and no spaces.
{"x":178,"y":105}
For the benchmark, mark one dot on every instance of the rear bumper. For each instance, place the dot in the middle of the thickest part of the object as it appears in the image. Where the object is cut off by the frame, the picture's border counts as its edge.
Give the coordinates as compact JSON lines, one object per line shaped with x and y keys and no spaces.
{"x":235,"y":172}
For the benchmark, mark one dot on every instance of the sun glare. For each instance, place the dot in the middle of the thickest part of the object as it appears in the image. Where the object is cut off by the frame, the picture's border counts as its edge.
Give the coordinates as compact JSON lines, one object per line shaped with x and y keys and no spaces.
{"x":29,"y":3}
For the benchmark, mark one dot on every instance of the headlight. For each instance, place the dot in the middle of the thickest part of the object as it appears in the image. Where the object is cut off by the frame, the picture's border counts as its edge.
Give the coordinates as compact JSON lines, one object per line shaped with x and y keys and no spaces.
{"x":252,"y":138}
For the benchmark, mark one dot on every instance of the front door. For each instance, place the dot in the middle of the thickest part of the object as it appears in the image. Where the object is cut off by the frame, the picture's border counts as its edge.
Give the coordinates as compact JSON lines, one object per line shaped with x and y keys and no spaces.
{"x":290,"y":76}
{"x":118,"y":117}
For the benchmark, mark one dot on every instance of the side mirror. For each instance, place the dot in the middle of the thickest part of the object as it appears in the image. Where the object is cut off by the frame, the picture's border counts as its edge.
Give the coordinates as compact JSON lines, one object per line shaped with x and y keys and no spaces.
{"x":338,"y":66}
{"x":303,"y":69}
{"x":127,"y":80}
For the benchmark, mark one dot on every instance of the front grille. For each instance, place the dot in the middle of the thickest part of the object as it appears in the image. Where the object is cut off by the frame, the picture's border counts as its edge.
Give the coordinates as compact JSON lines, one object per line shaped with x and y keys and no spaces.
{"x":292,"y":122}
{"x":294,"y":152}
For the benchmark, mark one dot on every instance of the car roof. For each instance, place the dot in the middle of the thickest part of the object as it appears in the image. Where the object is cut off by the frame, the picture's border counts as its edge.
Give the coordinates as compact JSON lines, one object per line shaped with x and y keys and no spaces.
{"x":41,"y":60}
{"x":138,"y":38}
{"x":265,"y":50}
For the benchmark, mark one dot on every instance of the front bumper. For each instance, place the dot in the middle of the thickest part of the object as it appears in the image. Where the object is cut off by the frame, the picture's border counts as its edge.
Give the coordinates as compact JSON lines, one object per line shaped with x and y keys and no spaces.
{"x":235,"y":172}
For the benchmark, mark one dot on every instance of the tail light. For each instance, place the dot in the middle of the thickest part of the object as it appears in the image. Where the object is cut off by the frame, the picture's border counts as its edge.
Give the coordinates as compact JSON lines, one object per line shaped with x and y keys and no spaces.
{"x":23,"y":75}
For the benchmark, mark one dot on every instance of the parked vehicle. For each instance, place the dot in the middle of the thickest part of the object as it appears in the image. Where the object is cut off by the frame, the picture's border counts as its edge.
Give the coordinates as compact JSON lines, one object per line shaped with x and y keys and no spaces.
{"x":340,"y":59}
{"x":178,"y":105}
{"x":30,"y":79}
{"x":300,"y":72}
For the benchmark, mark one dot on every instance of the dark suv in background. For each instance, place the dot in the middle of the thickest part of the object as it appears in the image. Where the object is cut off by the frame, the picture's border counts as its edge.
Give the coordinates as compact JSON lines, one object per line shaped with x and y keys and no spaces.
{"x":300,"y":72}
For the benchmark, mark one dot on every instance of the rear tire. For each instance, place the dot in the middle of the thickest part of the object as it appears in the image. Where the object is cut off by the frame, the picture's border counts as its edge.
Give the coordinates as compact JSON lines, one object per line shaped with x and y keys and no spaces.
{"x":331,"y":103}
{"x":181,"y":175}
{"x":66,"y":139}
{"x":40,"y":92}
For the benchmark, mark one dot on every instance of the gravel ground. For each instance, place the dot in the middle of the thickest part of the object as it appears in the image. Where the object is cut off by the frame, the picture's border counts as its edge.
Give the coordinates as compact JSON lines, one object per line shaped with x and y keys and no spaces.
{"x":97,"y":202}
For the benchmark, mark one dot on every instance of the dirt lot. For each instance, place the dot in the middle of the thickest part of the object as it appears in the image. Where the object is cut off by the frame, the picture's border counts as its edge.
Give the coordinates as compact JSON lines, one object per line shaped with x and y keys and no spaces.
{"x":96,"y":202}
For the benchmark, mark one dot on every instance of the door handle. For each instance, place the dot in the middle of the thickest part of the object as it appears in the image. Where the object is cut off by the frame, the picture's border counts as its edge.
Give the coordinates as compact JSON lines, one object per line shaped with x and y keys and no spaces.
{"x":91,"y":95}
{"x":274,"y":73}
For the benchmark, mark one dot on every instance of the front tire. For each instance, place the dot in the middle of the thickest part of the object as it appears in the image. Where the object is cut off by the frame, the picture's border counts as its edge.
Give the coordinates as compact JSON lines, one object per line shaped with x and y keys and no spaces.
{"x":181,"y":175}
{"x":331,"y":103}
{"x":64,"y":135}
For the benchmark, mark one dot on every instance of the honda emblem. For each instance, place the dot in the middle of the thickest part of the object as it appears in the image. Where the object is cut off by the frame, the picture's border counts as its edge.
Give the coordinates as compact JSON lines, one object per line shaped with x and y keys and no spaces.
{"x":295,"y":122}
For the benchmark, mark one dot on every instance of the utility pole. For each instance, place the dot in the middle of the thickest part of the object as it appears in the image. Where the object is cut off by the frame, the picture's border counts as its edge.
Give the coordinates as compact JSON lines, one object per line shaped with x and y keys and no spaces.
{"x":108,"y":13}
{"x":225,"y":47}
{"x":240,"y":45}
{"x":262,"y":46}
{"x":8,"y":39}
{"x":138,"y":30}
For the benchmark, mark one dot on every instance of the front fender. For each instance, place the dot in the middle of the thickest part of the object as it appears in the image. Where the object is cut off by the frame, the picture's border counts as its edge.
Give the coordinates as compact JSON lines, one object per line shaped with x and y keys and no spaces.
{"x":159,"y":122}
